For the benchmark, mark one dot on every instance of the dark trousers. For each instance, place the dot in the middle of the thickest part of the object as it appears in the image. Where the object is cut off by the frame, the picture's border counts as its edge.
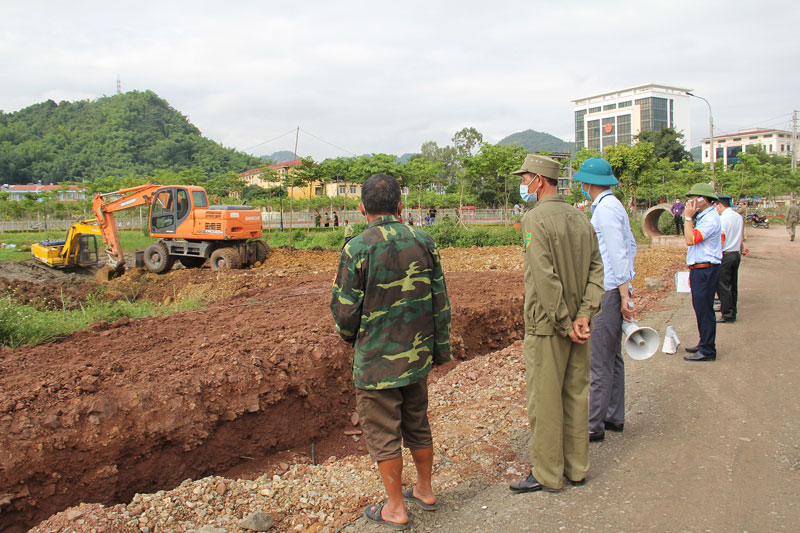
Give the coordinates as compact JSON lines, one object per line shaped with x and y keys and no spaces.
{"x":607,"y":392}
{"x":728,"y":286}
{"x":704,"y":284}
{"x":678,"y":224}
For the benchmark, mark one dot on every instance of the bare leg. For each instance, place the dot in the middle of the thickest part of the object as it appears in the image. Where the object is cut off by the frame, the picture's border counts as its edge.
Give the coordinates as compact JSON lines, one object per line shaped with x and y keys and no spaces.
{"x":392,"y":476}
{"x":423,"y":461}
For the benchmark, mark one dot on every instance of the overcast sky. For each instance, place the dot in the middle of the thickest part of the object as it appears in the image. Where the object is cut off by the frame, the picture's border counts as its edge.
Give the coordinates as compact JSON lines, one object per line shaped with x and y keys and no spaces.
{"x":373,"y":76}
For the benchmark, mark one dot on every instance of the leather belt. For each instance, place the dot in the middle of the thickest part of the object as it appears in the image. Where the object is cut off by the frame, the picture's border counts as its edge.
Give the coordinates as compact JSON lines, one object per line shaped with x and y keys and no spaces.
{"x":729,"y":253}
{"x":699,"y":265}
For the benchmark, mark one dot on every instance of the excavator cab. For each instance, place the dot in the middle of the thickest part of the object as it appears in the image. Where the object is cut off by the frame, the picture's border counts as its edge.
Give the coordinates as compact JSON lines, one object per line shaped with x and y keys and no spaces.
{"x":87,"y":250}
{"x":169,"y":209}
{"x":78,"y":249}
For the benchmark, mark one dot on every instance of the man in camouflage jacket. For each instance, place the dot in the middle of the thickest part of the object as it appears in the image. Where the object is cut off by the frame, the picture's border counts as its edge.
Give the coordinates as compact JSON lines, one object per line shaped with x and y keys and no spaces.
{"x":390,"y":302}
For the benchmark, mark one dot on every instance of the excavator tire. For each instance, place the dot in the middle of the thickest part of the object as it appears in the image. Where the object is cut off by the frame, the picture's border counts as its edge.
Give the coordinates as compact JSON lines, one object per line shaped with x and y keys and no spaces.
{"x":106,"y":274}
{"x":223,"y":258}
{"x":261,"y":251}
{"x":192,"y":262}
{"x":157,"y":258}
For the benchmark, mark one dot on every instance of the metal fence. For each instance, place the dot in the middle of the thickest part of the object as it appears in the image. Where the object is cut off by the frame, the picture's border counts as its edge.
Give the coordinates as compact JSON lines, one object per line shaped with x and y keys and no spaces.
{"x":272,"y":220}
{"x":61,"y":224}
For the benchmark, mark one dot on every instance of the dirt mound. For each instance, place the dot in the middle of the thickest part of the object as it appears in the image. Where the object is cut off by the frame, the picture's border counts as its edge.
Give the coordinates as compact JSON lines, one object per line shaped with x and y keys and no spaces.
{"x":141,"y":405}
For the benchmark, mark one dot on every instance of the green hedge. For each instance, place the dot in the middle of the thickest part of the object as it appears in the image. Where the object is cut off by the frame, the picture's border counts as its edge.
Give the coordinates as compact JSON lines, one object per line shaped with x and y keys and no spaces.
{"x":447,"y":233}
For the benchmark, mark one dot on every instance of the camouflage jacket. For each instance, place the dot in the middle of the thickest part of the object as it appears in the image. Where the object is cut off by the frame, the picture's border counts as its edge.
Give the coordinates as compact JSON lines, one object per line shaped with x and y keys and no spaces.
{"x":390,"y":301}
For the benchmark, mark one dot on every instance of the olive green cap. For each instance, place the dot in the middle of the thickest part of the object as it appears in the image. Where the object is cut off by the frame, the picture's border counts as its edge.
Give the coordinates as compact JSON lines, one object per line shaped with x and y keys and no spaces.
{"x":540,"y":164}
{"x":702,"y":189}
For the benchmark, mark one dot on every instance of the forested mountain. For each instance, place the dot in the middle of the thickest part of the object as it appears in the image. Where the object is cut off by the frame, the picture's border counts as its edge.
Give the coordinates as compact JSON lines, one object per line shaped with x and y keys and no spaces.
{"x":135,"y":133}
{"x":537,"y":141}
{"x":280,"y":157}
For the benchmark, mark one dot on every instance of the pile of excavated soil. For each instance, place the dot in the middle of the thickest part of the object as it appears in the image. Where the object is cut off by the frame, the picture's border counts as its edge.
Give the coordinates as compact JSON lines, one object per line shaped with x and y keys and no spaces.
{"x":142,"y":405}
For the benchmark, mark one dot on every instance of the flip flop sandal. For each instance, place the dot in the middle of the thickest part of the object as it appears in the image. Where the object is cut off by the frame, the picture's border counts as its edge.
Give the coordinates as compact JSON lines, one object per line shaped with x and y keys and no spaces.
{"x":408,"y":495}
{"x":373,"y":514}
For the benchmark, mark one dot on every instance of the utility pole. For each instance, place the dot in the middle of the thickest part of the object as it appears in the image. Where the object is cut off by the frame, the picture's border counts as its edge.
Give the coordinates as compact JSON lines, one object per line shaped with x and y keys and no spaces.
{"x":794,"y":140}
{"x":291,"y":189}
{"x":711,"y":151}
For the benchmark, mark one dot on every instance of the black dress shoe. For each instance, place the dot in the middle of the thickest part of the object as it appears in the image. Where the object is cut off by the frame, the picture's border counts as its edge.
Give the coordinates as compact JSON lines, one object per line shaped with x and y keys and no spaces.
{"x":596,"y":437}
{"x":614,"y":427}
{"x":693,"y":349}
{"x":723,"y":319}
{"x":699,"y":357}
{"x":529,"y":484}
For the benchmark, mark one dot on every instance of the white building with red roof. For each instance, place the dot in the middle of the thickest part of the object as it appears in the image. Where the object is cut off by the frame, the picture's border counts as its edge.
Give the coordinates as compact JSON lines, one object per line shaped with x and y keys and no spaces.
{"x":728,"y":147}
{"x":63,"y":193}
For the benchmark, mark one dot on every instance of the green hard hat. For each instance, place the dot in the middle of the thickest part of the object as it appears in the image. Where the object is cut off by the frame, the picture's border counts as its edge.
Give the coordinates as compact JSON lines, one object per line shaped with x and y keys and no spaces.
{"x":596,"y":171}
{"x":703,"y":189}
{"x":540,"y":164}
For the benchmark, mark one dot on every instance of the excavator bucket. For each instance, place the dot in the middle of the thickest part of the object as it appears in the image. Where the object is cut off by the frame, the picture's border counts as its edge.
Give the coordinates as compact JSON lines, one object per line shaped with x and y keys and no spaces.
{"x":107,"y":273}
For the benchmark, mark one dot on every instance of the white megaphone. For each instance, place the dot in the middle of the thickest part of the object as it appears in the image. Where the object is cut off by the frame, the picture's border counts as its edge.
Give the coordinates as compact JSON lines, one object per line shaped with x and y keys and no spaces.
{"x":640,"y":342}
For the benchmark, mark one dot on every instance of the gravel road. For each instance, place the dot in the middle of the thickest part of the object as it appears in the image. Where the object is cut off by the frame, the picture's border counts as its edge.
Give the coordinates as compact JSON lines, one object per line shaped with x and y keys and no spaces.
{"x":706,"y":446}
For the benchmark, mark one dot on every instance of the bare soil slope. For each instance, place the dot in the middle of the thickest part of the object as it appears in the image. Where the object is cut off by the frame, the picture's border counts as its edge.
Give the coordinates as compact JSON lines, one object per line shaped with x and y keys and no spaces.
{"x":141,"y":405}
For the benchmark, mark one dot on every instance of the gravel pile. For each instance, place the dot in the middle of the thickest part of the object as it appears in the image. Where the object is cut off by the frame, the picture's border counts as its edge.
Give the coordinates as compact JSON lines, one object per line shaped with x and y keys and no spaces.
{"x":470,"y":444}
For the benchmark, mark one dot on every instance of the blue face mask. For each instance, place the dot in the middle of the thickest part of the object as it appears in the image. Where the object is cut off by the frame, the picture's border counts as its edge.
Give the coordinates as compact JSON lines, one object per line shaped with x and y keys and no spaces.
{"x":526,"y":196}
{"x":586,"y":194}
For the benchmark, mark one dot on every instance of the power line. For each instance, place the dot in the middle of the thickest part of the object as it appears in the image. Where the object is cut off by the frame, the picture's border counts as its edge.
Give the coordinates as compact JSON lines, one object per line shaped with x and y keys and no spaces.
{"x":330,"y":143}
{"x":784,"y":118}
{"x":269,"y":141}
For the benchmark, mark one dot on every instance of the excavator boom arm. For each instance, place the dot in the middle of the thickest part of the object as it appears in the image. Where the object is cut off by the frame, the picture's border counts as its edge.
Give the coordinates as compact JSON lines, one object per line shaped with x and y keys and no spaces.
{"x":104,"y":208}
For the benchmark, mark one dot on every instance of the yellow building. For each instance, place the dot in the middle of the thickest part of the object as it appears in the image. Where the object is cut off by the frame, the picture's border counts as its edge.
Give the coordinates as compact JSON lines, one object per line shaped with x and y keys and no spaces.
{"x":274,"y":175}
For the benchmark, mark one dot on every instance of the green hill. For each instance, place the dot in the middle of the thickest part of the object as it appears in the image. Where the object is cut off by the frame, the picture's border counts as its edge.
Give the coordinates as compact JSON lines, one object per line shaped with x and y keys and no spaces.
{"x":280,"y":157}
{"x":537,"y":141}
{"x":135,"y":133}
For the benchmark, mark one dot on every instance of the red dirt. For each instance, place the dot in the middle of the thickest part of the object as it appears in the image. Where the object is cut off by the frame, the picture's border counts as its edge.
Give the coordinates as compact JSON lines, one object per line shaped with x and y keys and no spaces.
{"x":140,"y":405}
{"x":258,"y":375}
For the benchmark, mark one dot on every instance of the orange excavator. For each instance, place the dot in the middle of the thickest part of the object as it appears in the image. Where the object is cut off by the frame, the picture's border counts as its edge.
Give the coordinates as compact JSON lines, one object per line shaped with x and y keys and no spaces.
{"x":189,"y":230}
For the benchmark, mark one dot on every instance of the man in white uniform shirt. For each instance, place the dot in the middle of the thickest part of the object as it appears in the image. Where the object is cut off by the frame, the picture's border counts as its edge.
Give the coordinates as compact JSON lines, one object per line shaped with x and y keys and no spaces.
{"x":727,"y":288}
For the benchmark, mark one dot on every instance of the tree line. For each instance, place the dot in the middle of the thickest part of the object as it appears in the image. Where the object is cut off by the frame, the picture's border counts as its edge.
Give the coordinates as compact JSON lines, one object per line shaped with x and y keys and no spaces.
{"x":125,"y":140}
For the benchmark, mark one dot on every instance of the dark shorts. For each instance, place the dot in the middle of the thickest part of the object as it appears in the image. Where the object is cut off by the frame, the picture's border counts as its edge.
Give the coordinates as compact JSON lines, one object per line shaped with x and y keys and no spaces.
{"x":391,"y":416}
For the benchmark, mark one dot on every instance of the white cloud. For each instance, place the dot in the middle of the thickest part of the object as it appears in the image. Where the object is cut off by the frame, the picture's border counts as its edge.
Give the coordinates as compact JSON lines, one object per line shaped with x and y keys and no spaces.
{"x":386,"y":77}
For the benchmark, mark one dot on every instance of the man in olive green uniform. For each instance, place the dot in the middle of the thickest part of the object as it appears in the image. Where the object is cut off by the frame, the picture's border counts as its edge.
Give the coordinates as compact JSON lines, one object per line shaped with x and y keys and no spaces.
{"x":792,"y":216}
{"x":563,"y":291}
{"x":390,"y":302}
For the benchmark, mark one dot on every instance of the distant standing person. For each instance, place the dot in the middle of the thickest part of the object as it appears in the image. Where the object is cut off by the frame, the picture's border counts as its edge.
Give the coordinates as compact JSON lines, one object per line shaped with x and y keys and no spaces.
{"x":348,"y":231}
{"x":390,"y":302}
{"x":432,"y":214}
{"x":704,"y":255}
{"x":317,"y":218}
{"x":335,"y":220}
{"x":327,"y":220}
{"x":677,"y":214}
{"x":728,"y":284}
{"x":618,"y":251}
{"x":563,"y":291}
{"x":792,"y":217}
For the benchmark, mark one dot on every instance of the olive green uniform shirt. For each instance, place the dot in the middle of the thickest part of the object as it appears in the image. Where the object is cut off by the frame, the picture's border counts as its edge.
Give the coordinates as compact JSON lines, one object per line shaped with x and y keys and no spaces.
{"x":792,"y":214}
{"x":563,"y":268}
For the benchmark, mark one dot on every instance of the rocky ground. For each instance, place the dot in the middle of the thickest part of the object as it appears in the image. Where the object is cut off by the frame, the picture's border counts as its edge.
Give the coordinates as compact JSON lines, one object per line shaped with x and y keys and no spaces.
{"x":255,"y":389}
